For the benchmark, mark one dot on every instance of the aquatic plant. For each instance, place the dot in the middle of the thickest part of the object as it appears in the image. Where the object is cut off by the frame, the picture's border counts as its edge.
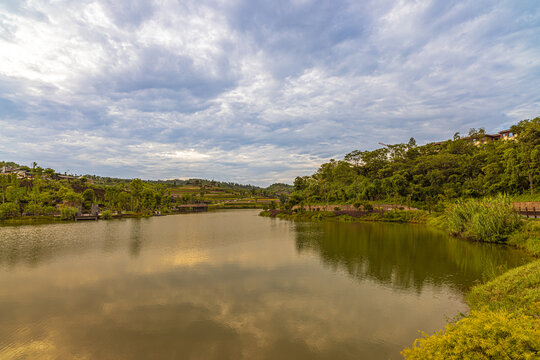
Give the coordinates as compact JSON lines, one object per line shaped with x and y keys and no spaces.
{"x":490,"y":219}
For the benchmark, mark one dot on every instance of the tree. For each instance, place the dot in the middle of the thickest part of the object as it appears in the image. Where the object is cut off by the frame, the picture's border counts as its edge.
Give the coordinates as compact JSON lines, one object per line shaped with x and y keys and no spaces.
{"x":136,"y":186}
{"x":529,"y":148}
{"x":4,"y":181}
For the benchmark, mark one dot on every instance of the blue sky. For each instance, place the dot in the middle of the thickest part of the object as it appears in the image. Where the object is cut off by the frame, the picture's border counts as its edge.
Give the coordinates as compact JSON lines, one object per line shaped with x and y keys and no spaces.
{"x":254,"y":91}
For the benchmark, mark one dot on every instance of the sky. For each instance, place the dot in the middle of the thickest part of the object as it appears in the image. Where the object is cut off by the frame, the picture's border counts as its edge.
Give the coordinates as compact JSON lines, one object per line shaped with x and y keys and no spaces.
{"x":254,"y":91}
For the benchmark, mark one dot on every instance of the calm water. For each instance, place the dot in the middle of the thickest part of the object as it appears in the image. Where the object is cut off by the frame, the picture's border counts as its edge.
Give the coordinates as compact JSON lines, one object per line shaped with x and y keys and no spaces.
{"x":230,"y":285}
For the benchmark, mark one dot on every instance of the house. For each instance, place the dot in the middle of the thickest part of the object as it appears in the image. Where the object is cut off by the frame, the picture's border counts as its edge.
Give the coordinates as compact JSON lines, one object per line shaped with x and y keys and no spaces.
{"x":507,"y":135}
{"x":65,"y":177}
{"x":7,"y":170}
{"x":21,"y":174}
{"x":502,"y":135}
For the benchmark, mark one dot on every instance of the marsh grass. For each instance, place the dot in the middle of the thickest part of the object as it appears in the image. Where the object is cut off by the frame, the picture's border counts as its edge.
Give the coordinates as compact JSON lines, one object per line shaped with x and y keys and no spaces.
{"x":490,"y":219}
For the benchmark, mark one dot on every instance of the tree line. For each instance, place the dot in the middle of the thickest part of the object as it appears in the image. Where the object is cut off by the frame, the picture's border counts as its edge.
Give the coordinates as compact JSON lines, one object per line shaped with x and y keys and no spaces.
{"x":463,"y":167}
{"x":44,"y":192}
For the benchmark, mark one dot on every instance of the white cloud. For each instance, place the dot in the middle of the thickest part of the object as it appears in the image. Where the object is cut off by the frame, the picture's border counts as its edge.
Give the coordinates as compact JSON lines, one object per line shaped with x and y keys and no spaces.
{"x":242,"y":91}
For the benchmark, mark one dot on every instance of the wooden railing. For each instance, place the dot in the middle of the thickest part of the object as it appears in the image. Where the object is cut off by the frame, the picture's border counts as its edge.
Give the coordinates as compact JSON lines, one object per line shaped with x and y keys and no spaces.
{"x":528,"y":208}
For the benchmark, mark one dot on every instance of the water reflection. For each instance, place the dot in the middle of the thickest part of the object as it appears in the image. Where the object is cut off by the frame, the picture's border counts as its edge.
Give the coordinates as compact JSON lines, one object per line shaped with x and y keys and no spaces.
{"x":404,"y":256}
{"x":227,"y":285}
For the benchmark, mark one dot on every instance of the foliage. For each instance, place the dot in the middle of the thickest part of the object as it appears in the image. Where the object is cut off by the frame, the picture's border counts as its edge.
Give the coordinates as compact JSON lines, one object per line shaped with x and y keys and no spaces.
{"x":481,"y":335}
{"x":528,"y":237}
{"x":429,"y":175}
{"x":44,"y":192}
{"x":363,"y":205}
{"x":8,"y":210}
{"x":36,"y":209}
{"x":525,"y":197}
{"x":504,"y":322}
{"x":107,"y":215}
{"x":68,"y":213}
{"x":517,"y":290}
{"x":490,"y":219}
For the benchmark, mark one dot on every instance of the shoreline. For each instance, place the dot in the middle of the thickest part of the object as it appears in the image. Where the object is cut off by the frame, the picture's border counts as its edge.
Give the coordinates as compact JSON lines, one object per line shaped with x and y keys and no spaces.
{"x":55,"y":219}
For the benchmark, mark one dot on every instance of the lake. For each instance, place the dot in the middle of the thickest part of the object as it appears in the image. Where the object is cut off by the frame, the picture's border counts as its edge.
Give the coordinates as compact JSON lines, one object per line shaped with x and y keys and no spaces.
{"x":231,"y":285}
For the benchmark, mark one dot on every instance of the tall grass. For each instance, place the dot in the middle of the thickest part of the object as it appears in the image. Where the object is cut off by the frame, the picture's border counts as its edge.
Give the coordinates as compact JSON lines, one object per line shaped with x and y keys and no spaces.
{"x":490,"y":219}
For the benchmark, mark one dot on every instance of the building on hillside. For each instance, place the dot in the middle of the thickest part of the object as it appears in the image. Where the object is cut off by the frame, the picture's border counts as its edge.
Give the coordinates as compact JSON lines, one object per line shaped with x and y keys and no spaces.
{"x":502,"y":135}
{"x":23,"y":174}
{"x":64,"y":177}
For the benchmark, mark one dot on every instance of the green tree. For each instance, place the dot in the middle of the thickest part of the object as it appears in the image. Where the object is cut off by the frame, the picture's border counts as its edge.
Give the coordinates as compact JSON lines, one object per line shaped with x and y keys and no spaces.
{"x":529,"y":148}
{"x":136,"y":187}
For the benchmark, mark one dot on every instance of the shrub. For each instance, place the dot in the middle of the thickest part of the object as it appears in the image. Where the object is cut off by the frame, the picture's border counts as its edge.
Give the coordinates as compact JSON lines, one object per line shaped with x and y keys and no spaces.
{"x":49,"y":210}
{"x":490,"y":219}
{"x":363,"y":205}
{"x":34,"y":209}
{"x":481,"y":335}
{"x":107,"y":215}
{"x":8,"y":210}
{"x":68,"y":213}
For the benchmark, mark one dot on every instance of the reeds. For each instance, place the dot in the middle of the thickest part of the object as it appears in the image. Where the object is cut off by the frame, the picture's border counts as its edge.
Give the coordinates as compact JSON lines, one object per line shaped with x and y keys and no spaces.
{"x":490,"y":219}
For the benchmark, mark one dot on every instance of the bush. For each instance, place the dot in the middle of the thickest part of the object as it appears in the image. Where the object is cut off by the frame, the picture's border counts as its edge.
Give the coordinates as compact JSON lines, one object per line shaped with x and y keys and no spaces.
{"x":490,"y":219}
{"x":33,"y":209}
{"x":68,"y":213}
{"x":363,"y":205}
{"x":481,"y":335}
{"x":107,"y":215}
{"x":36,"y":209}
{"x":49,"y":210}
{"x":8,"y":210}
{"x":504,"y":322}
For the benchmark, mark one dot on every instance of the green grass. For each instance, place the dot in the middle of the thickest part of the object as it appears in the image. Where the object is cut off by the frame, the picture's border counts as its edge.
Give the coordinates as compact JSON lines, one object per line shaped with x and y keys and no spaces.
{"x":527,"y":237}
{"x":481,"y":336}
{"x":402,"y":216}
{"x":525,"y":198}
{"x":504,"y":322}
{"x":516,"y":291}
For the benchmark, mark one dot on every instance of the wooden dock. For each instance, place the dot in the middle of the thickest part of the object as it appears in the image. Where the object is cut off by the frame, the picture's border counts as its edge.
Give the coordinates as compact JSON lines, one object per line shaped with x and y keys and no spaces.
{"x":86,"y":217}
{"x":94,"y":213}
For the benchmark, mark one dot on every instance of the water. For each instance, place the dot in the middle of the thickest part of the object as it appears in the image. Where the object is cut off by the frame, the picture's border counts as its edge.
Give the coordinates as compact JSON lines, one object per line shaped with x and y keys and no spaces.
{"x":231,"y":285}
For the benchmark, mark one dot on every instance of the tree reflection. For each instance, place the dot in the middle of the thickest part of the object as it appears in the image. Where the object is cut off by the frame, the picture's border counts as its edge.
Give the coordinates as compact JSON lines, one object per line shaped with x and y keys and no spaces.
{"x":404,"y":256}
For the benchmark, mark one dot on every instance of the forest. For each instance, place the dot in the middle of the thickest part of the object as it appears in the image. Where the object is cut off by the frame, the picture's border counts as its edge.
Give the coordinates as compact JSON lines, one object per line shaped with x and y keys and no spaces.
{"x":426,"y":176}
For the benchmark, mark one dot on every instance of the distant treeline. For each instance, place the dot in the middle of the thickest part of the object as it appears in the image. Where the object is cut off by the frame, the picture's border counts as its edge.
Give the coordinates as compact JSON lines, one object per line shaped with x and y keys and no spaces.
{"x":37,"y":191}
{"x":463,"y":167}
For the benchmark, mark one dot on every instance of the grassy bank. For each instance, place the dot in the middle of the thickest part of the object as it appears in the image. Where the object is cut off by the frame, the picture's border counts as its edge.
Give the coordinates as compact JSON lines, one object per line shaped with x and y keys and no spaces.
{"x":401,"y":216}
{"x":31,"y":220}
{"x":504,"y":322}
{"x":504,"y":318}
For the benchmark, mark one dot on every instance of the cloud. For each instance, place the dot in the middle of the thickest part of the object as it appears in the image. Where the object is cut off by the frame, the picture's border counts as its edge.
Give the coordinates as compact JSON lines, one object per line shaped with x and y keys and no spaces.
{"x":84,"y":85}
